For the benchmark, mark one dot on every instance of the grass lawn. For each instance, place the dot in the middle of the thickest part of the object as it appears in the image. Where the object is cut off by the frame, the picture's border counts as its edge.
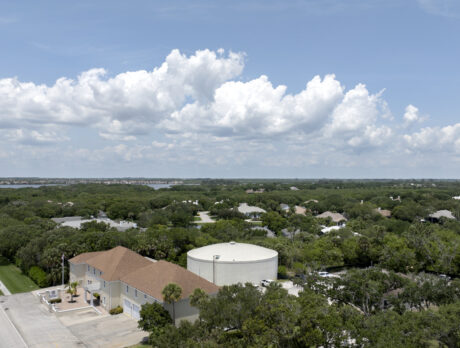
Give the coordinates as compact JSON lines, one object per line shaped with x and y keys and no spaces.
{"x":15,"y":281}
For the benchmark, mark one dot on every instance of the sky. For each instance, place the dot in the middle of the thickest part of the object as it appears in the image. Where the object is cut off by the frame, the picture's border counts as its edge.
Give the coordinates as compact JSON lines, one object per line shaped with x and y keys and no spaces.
{"x":230,"y":89}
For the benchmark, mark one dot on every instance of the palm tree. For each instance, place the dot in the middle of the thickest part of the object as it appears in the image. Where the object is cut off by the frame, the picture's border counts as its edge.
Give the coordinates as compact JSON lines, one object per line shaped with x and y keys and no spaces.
{"x":171,"y":294}
{"x":72,"y":290}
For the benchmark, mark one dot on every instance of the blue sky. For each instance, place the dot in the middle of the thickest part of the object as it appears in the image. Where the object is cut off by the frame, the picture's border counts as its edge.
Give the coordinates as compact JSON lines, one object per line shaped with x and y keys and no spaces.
{"x":218,"y":88}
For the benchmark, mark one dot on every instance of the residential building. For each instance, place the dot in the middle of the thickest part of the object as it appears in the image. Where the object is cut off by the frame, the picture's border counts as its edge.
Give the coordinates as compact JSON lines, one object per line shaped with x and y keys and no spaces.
{"x":335,"y":217}
{"x":124,"y":278}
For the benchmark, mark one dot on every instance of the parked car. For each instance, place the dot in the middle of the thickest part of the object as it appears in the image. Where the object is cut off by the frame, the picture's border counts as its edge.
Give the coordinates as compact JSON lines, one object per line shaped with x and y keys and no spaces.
{"x":266,"y":282}
{"x":324,"y":274}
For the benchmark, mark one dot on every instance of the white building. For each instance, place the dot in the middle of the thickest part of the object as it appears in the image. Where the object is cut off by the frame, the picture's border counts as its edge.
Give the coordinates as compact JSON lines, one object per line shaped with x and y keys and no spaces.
{"x":125,"y":278}
{"x":231,"y":263}
{"x":251,"y":211}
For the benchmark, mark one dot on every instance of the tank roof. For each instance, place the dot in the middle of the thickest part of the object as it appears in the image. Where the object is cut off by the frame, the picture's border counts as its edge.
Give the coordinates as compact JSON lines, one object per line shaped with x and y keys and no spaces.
{"x":232,"y":251}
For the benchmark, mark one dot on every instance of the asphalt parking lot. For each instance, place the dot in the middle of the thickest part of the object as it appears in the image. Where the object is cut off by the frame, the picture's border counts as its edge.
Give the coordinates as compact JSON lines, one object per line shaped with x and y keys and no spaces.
{"x":25,"y":322}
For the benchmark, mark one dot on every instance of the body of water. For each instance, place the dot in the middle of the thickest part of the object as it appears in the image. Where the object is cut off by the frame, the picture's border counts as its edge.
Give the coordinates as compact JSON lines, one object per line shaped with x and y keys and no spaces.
{"x":159,"y":186}
{"x":13,"y":186}
{"x":26,"y":185}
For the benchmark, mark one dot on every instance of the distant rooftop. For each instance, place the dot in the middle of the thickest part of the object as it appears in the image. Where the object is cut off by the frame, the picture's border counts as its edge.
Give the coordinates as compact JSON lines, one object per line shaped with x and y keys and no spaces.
{"x":247,"y":209}
{"x":442,"y":213}
{"x":335,"y":217}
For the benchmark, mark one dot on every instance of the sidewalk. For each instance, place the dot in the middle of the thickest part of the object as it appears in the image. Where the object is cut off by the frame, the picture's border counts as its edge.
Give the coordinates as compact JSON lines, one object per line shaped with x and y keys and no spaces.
{"x":4,"y":289}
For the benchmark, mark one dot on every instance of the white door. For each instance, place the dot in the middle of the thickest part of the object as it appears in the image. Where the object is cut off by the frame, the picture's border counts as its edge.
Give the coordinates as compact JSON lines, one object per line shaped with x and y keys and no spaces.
{"x":136,"y":312}
{"x":127,"y":307}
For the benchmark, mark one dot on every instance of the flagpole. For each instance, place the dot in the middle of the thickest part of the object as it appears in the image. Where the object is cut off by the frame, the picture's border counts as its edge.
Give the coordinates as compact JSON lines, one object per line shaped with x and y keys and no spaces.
{"x":62,"y":258}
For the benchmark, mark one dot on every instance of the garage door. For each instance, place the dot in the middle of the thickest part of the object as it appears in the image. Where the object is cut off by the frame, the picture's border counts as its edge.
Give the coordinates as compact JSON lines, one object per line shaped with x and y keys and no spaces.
{"x":127,"y":308}
{"x":136,"y":310}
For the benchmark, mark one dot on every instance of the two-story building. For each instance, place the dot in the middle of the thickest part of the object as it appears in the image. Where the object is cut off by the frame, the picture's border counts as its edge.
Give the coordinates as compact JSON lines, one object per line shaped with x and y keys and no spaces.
{"x":124,"y":278}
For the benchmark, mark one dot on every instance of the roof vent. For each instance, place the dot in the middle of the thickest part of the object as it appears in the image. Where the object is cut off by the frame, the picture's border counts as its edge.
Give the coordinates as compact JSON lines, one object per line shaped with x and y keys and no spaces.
{"x":232,"y":243}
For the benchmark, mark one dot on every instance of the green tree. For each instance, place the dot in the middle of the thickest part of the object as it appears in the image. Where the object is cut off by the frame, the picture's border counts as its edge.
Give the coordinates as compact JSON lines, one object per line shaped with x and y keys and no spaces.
{"x":72,"y":290}
{"x":198,"y":298}
{"x":153,"y":317}
{"x":171,"y":294}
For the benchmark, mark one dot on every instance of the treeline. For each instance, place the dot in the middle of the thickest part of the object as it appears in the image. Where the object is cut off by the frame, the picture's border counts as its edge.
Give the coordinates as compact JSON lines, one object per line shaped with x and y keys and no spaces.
{"x":360,"y":310}
{"x":167,"y":230}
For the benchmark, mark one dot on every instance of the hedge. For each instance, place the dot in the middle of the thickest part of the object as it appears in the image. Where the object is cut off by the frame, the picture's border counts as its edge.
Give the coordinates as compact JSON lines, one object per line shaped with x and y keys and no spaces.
{"x":38,"y":276}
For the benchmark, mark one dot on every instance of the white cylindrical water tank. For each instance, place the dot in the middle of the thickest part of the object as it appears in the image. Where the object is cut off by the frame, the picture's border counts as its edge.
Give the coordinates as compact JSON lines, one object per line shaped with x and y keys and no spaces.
{"x":231,"y":263}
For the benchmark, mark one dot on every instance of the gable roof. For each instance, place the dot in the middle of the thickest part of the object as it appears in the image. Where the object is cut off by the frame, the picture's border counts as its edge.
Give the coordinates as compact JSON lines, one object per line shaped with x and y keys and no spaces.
{"x":153,"y":278}
{"x":383,"y":212}
{"x":113,"y":263}
{"x":335,"y":217}
{"x":123,"y":264}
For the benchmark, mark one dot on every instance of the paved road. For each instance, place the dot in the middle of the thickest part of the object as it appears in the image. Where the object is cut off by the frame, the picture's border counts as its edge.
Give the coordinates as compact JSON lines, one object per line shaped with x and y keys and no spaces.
{"x":35,"y":324}
{"x":4,"y":289}
{"x":10,"y":337}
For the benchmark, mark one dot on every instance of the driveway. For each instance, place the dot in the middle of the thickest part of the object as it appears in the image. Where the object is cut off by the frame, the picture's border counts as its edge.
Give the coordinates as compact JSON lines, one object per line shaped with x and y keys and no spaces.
{"x":103,"y":331}
{"x":25,"y":322}
{"x":204,"y":216}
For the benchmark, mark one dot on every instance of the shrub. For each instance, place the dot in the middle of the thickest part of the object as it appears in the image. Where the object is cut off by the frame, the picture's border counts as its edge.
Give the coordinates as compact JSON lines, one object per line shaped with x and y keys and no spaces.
{"x":55,"y":300}
{"x":97,"y":296}
{"x":3,"y":261}
{"x":38,"y":276}
{"x":116,"y":310}
{"x":282,"y":272}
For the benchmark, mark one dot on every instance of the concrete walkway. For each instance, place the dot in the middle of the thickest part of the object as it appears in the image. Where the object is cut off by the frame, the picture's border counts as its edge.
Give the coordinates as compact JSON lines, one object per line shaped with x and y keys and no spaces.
{"x":4,"y":289}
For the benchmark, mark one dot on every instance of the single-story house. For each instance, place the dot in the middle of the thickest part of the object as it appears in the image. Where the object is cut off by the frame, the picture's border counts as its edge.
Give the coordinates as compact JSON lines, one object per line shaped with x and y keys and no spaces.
{"x":436,"y":216}
{"x":383,"y":212}
{"x":124,"y":278}
{"x":335,"y":217}
{"x":284,"y":207}
{"x":300,"y":210}
{"x":250,"y":211}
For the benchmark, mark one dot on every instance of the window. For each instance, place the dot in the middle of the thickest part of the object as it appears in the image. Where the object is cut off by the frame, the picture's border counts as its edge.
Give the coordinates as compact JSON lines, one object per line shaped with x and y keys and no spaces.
{"x":104,"y":283}
{"x":135,"y":292}
{"x":100,"y":273}
{"x":94,"y":271}
{"x":127,"y":288}
{"x":88,"y":268}
{"x":145,"y":296}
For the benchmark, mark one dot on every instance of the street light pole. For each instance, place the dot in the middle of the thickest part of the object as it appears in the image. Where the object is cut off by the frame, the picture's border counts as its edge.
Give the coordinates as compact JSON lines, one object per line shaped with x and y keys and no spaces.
{"x":214,"y":258}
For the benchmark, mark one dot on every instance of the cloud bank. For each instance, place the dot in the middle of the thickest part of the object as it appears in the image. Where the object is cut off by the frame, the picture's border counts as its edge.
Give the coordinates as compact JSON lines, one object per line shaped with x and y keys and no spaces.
{"x":198,"y":109}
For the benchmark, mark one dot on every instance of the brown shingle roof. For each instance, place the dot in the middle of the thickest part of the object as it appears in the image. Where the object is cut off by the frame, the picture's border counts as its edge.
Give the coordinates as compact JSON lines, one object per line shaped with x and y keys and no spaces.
{"x":113,"y":263}
{"x":154,"y":277}
{"x":82,"y":258}
{"x":335,"y":217}
{"x":383,"y":212}
{"x":149,"y":277}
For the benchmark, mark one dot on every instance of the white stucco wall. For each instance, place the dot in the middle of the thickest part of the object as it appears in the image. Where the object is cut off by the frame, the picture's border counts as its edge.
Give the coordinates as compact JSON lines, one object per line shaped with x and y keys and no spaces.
{"x":227,"y":273}
{"x":77,"y":273}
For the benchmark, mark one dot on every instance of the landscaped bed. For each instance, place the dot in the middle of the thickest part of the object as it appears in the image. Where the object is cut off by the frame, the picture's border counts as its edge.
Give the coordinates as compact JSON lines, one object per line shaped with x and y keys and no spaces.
{"x":15,"y":281}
